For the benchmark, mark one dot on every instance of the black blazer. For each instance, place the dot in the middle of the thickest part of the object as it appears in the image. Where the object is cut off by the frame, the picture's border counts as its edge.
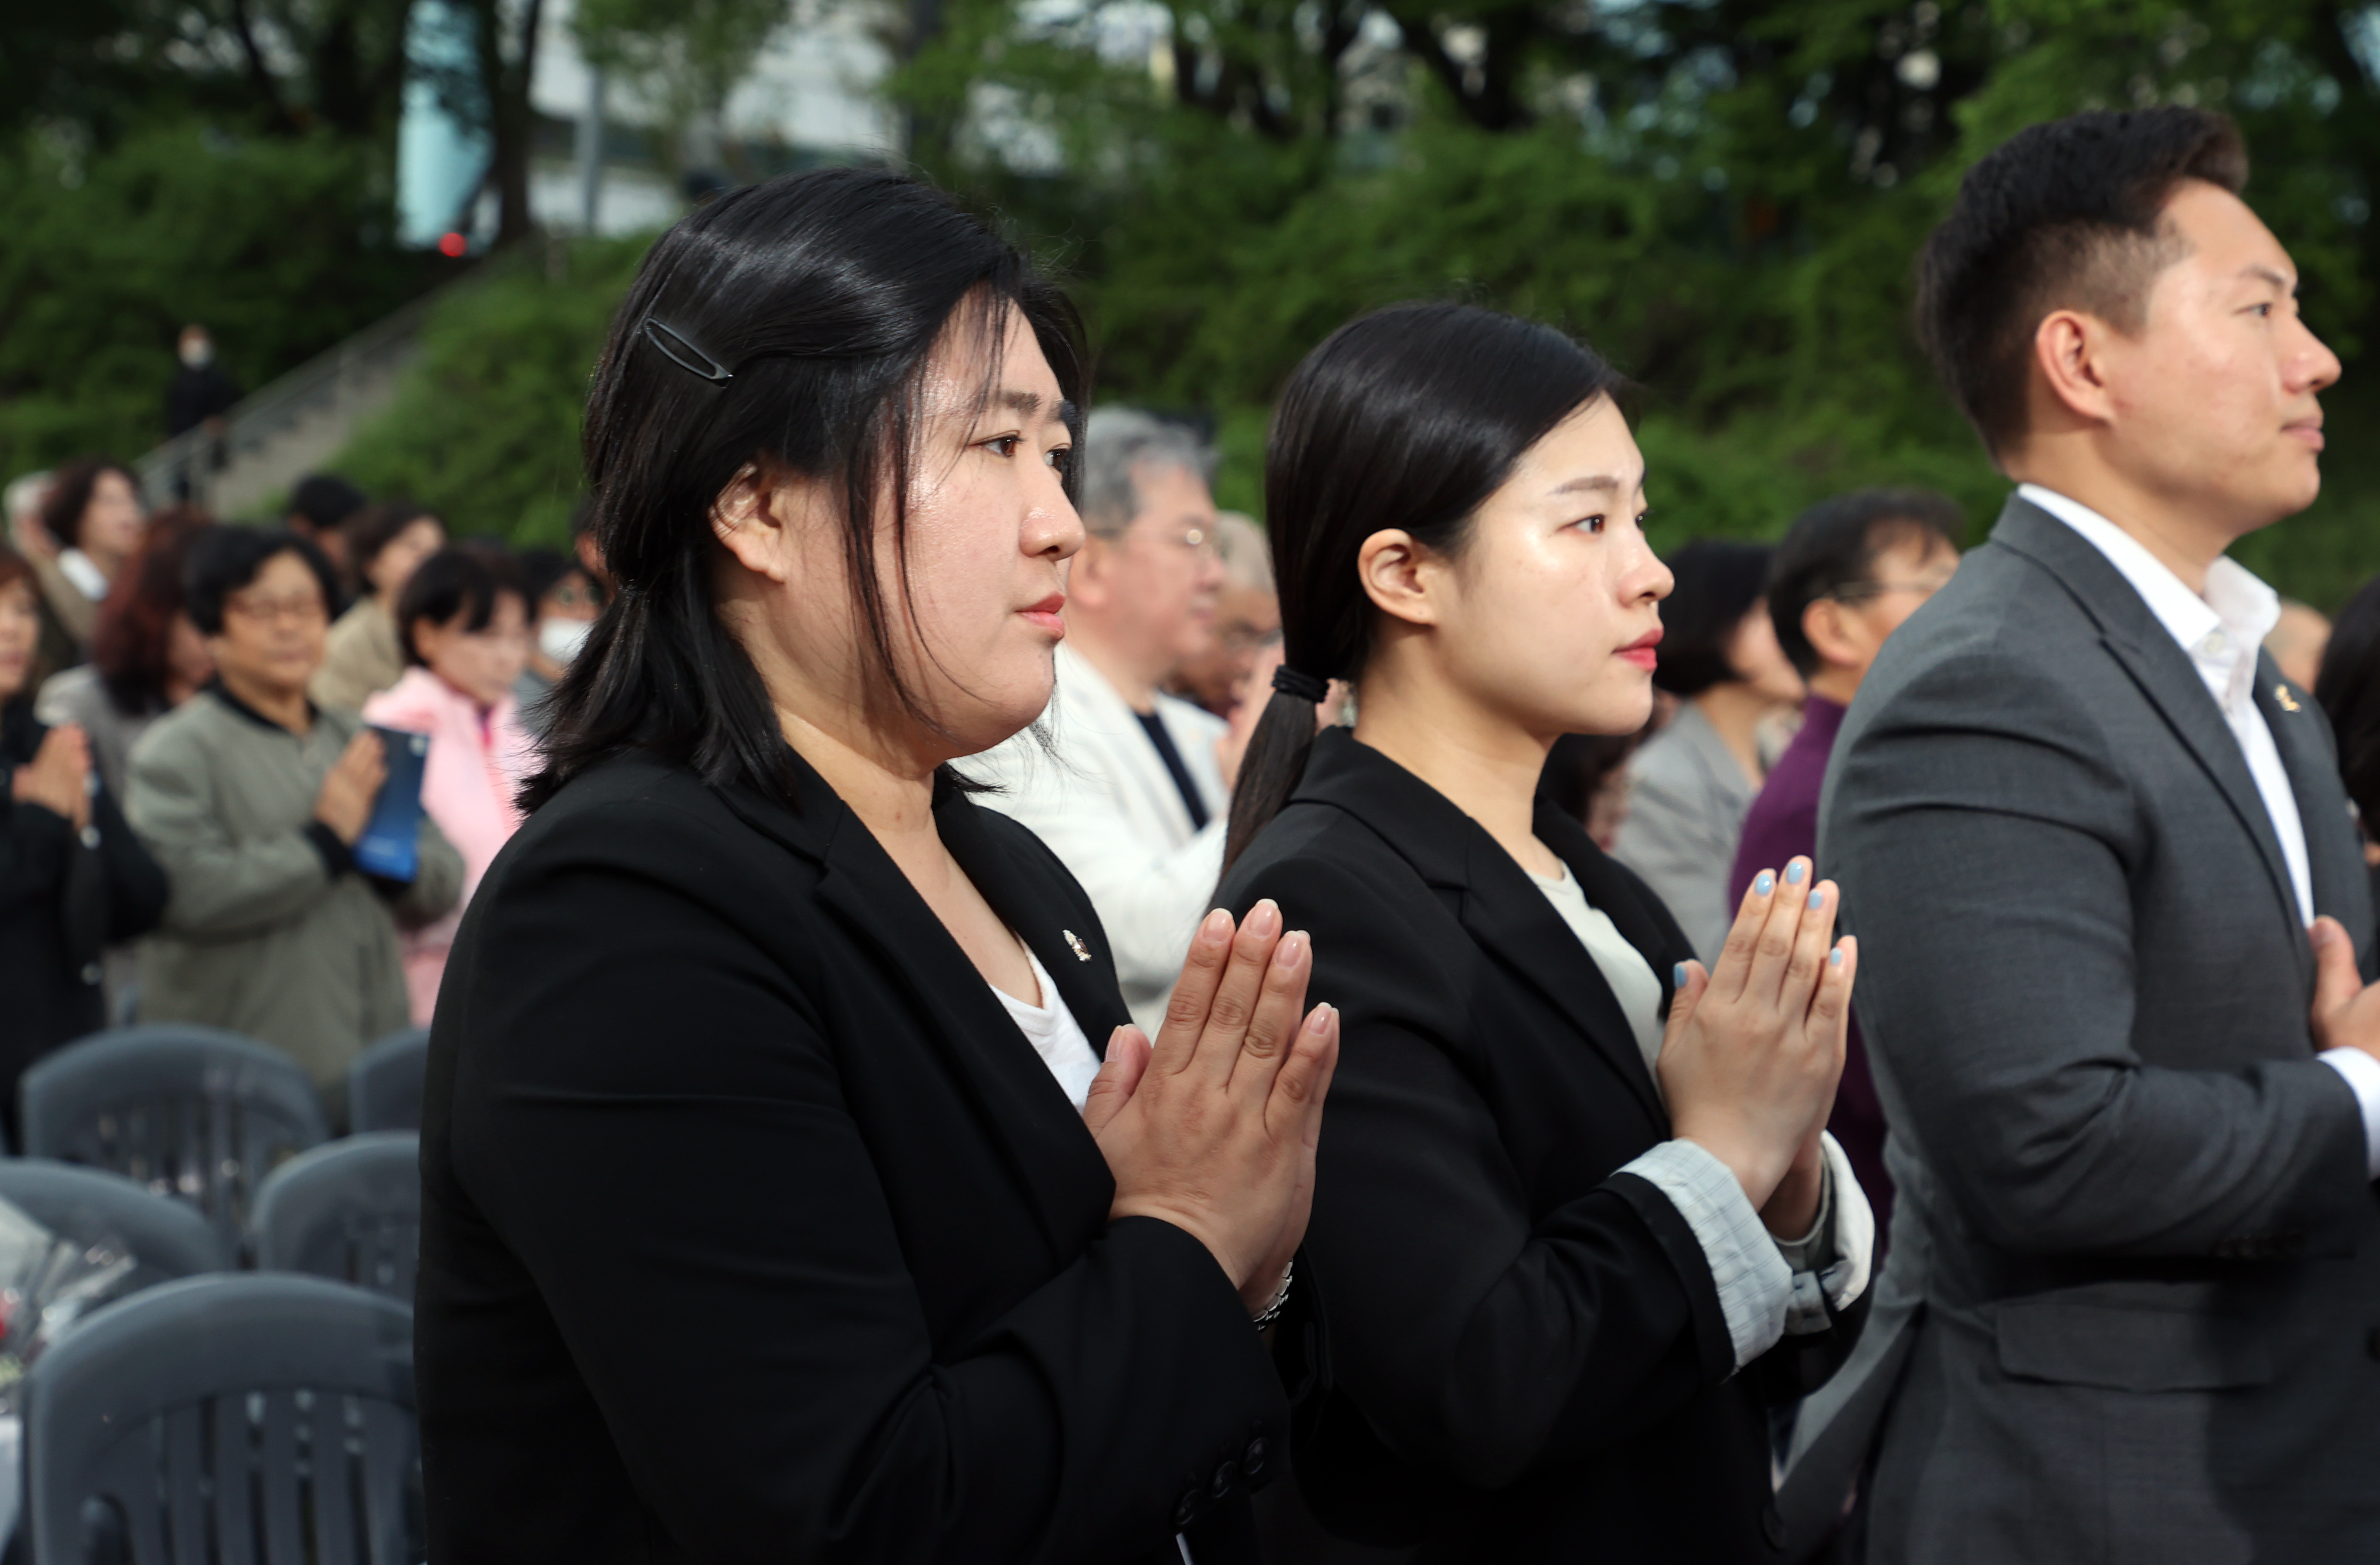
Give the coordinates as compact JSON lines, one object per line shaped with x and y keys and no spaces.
{"x":754,"y":1228}
{"x":1520,"y":1353}
{"x":64,"y":899}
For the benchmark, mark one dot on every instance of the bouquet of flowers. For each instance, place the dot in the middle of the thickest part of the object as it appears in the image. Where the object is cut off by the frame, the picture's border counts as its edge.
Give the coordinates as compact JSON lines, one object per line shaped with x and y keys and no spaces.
{"x":47,"y":1283}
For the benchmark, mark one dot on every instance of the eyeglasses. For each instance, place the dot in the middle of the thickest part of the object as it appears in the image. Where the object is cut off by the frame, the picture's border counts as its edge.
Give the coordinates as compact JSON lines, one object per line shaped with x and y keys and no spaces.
{"x":1861,"y":591}
{"x":264,"y":610}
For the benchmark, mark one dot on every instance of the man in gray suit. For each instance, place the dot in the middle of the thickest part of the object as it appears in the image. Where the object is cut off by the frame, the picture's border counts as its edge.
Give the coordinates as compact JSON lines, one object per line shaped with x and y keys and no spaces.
{"x":2114,"y":919}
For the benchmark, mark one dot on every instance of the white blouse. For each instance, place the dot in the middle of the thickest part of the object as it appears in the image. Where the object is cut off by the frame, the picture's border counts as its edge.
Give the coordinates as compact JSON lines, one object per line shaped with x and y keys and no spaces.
{"x":1054,"y":1034}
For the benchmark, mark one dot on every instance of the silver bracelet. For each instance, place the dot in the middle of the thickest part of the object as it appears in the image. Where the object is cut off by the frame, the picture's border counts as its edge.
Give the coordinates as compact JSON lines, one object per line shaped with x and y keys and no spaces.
{"x":1279,"y":1301}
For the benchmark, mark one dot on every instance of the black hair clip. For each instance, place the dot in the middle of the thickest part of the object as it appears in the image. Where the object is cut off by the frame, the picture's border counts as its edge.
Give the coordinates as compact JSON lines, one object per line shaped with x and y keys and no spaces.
{"x":679,"y":349}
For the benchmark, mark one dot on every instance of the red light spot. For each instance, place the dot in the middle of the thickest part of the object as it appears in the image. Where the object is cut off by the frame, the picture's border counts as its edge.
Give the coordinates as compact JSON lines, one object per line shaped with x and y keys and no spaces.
{"x":452,"y":244}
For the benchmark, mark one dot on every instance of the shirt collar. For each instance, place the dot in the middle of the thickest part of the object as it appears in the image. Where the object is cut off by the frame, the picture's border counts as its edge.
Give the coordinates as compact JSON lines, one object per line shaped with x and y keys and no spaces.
{"x":2220,"y":631}
{"x":222,"y":692}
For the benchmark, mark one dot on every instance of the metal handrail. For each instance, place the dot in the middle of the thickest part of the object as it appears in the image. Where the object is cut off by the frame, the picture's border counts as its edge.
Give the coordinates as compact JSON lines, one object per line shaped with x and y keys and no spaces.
{"x":310,"y":387}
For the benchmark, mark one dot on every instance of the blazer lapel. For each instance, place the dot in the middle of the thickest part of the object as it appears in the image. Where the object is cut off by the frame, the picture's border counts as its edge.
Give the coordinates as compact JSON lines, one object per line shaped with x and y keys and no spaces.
{"x":2162,"y":670}
{"x":1494,"y":897}
{"x":1024,"y":1109}
{"x":2333,"y":854}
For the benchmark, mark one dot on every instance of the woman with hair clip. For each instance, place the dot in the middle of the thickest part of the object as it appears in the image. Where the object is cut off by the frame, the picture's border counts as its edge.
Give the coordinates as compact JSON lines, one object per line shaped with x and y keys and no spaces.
{"x":778,"y":1203}
{"x":1564,"y":1255}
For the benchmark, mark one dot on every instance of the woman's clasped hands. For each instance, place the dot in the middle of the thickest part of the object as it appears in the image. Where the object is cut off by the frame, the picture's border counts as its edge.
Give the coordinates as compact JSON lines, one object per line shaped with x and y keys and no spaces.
{"x":1753,"y":1052}
{"x":1213,"y":1128}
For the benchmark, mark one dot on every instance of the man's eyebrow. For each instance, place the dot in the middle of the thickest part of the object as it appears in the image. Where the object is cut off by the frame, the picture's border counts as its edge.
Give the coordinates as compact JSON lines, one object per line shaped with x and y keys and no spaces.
{"x":2263,"y":274}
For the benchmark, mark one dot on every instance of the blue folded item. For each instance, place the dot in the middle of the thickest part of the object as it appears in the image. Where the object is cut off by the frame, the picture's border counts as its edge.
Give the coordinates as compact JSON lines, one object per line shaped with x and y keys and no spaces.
{"x":391,"y":846}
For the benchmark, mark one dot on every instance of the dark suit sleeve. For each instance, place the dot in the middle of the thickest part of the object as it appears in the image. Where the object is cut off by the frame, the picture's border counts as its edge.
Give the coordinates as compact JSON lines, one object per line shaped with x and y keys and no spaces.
{"x":136,"y":887}
{"x":1982,"y":832}
{"x":660,"y":1135}
{"x":1479,"y":1342}
{"x":33,"y":843}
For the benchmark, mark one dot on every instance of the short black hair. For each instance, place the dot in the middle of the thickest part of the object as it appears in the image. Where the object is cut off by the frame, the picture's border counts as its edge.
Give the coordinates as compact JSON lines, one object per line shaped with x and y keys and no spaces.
{"x":1719,"y":583}
{"x":466,"y":579}
{"x":325,"y":499}
{"x":541,"y":570}
{"x":2064,"y":216}
{"x":224,"y":560}
{"x":1833,"y":545}
{"x":374,"y":527}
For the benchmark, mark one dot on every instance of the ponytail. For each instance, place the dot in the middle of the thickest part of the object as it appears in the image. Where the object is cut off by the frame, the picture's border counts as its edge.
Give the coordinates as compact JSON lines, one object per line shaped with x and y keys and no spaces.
{"x":1405,"y":419}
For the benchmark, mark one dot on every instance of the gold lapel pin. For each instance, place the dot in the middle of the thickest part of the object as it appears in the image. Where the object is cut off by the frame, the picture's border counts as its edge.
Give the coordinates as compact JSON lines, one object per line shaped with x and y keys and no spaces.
{"x":2281,"y":694}
{"x":1075,"y":942}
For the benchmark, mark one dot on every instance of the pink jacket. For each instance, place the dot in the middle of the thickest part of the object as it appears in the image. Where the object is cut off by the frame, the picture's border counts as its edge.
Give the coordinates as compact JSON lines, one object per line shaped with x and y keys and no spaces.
{"x":476,"y":760}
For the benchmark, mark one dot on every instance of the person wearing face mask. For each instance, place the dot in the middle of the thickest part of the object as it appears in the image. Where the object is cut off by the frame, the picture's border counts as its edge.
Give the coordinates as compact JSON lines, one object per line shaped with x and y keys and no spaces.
{"x":253,"y":799}
{"x":778,"y":1201}
{"x":93,"y":513}
{"x":563,"y":602}
{"x":73,"y":877}
{"x":1565,"y":1254}
{"x":464,"y":625}
{"x":1130,"y":788}
{"x":1691,"y":783}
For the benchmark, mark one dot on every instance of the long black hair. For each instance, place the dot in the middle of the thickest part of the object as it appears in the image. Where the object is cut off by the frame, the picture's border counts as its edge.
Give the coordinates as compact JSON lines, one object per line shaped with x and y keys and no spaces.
{"x":786,"y":325}
{"x":2348,"y":690}
{"x":1407,"y":417}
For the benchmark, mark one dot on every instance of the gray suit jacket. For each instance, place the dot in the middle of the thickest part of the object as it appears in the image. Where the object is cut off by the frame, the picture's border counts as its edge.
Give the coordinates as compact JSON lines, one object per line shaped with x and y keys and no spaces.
{"x":2133,"y":1306}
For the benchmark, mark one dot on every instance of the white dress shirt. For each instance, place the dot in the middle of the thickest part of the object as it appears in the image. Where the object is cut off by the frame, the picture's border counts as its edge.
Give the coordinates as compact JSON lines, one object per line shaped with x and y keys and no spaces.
{"x":2221,"y":634}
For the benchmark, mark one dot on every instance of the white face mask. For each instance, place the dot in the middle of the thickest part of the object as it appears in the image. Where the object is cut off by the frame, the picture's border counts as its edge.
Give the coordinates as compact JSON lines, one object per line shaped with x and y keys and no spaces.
{"x":198,"y":353}
{"x":560,"y":639}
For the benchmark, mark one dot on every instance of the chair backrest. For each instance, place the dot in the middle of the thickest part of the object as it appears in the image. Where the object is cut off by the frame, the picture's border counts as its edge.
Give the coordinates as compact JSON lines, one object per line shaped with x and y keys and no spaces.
{"x":265,"y":1418}
{"x":166,"y":1237}
{"x":385,"y":1082}
{"x":350,"y":1210}
{"x":191,"y":1113}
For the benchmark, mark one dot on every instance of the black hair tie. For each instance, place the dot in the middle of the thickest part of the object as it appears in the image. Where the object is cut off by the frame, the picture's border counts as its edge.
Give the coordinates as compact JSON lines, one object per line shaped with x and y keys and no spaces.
{"x":1297,"y":683}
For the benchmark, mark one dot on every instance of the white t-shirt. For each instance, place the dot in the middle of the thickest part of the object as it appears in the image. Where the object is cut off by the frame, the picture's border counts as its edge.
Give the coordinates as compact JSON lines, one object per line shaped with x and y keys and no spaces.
{"x":1054,"y":1034}
{"x":1622,"y":966}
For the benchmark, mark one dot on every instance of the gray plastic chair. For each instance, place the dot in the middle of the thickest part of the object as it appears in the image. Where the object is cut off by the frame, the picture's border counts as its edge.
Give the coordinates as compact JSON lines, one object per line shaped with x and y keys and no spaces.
{"x":241,"y":1417}
{"x":384,"y":1083}
{"x":167,"y":1238}
{"x":350,"y":1210}
{"x":191,"y":1113}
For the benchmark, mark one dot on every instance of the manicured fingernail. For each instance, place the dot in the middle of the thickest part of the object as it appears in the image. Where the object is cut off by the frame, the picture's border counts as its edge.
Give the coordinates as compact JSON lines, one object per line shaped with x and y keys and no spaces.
{"x":1818,"y":899}
{"x":1677,"y":977}
{"x":1263,"y":918}
{"x":1318,"y":1020}
{"x":1795,"y":871}
{"x":1291,"y":951}
{"x":1764,"y":883}
{"x":1217,"y":925}
{"x":1835,"y":957}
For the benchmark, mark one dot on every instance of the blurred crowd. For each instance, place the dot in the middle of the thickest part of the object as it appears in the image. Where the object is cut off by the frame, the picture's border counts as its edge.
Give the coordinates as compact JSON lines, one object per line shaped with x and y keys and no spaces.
{"x":195,"y":723}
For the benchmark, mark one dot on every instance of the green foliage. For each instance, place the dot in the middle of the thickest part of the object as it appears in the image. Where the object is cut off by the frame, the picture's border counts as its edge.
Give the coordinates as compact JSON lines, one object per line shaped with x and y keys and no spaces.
{"x":485,"y":425}
{"x":277,"y":244}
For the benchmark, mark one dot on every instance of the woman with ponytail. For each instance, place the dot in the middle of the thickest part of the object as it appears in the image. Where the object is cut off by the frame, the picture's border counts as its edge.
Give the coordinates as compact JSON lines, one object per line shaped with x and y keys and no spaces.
{"x":1565,"y":1254}
{"x":793,"y":1188}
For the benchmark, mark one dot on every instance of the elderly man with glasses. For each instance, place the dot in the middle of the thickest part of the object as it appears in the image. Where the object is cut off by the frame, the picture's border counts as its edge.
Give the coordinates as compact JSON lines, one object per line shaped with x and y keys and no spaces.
{"x":1128,"y":785}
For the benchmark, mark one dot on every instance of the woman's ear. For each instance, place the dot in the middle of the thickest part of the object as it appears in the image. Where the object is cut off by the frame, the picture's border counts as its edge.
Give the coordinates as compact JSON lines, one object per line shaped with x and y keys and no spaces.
{"x":1399,"y":575}
{"x":754,"y":519}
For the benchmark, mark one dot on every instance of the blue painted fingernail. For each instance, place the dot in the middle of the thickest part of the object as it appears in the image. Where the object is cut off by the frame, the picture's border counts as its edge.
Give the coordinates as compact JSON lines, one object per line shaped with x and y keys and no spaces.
{"x":1764,"y":883}
{"x":1818,"y":899}
{"x":1835,"y":957}
{"x":1794,"y":871}
{"x":1677,"y":977}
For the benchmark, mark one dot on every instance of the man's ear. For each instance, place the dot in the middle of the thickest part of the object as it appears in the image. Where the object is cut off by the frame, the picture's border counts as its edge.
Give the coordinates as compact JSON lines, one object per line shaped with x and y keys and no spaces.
{"x":1399,"y":575}
{"x":1087,"y":572}
{"x":753,"y":519}
{"x":1830,"y":634}
{"x":2070,"y":360}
